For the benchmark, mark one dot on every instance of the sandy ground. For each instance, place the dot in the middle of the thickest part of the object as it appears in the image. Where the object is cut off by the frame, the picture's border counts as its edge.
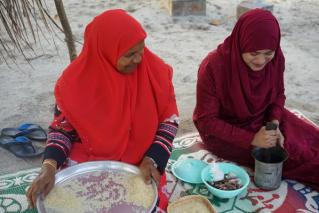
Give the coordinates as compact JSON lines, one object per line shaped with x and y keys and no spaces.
{"x":26,"y":90}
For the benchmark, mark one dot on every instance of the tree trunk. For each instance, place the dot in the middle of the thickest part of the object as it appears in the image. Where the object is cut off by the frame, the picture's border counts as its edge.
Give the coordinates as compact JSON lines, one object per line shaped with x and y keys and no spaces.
{"x":66,"y":28}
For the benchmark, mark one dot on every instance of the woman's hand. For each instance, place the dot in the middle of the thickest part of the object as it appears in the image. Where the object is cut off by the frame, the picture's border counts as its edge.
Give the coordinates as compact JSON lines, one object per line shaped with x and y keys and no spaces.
{"x":41,"y":184}
{"x":265,"y":138}
{"x":149,"y":170}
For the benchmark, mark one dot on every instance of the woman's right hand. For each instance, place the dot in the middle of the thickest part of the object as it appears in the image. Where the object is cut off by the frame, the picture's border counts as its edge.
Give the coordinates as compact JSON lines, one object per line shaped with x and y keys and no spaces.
{"x":41,"y":184}
{"x":265,"y":138}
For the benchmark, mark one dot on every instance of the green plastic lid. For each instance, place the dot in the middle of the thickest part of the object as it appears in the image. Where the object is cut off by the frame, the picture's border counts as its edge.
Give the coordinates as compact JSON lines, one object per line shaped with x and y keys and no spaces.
{"x":189,"y":170}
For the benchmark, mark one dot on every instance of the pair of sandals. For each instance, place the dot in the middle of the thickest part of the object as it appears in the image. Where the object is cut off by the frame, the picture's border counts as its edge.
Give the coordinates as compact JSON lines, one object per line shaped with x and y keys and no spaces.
{"x":19,"y":140}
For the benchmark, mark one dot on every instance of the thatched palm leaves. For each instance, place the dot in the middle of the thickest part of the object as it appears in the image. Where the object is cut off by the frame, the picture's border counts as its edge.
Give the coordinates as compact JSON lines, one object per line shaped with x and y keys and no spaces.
{"x":20,"y":25}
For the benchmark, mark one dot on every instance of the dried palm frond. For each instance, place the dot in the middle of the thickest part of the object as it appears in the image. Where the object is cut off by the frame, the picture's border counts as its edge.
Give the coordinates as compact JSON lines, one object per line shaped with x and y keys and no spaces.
{"x":20,"y":26}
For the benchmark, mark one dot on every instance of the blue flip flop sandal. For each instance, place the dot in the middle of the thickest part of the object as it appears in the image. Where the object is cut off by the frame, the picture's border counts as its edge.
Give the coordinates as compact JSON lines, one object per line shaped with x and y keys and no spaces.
{"x":29,"y":130}
{"x":20,"y":146}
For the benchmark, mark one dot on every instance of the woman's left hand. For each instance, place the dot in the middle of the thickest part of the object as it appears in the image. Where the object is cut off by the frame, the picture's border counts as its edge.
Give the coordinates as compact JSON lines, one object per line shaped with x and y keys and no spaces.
{"x":149,"y":171}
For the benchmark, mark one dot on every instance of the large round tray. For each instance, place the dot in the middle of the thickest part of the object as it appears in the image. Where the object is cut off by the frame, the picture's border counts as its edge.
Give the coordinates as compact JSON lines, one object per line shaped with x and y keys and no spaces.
{"x":85,"y":169}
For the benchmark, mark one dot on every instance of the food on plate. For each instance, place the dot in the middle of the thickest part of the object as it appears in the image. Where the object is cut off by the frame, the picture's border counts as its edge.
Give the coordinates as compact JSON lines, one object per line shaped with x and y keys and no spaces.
{"x":101,"y":191}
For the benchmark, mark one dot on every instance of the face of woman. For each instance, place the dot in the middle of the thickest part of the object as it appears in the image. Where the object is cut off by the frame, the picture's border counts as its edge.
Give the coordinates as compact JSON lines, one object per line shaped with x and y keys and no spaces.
{"x":129,"y":60}
{"x":256,"y":61}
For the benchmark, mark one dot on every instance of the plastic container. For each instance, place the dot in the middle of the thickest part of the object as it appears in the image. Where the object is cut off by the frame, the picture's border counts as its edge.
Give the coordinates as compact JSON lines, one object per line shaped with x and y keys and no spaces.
{"x":196,"y":171}
{"x":189,"y":170}
{"x":226,"y":168}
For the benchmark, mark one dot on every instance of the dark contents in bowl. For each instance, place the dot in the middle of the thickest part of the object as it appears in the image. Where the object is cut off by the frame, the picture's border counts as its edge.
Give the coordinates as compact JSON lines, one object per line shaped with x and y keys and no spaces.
{"x":230,"y":182}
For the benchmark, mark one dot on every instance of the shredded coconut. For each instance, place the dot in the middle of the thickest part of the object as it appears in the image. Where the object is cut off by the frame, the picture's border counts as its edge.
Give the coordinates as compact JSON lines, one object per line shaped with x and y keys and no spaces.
{"x":60,"y":200}
{"x":139,"y":193}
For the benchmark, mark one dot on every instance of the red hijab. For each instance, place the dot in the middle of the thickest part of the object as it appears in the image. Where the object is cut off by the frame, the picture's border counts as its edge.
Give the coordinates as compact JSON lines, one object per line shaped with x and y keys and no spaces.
{"x":243,"y":92}
{"x":115,"y":114}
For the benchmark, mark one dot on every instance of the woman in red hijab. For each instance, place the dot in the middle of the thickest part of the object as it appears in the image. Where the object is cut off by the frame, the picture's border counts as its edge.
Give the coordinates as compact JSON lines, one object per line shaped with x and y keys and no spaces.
{"x":114,"y":102}
{"x":241,"y":87}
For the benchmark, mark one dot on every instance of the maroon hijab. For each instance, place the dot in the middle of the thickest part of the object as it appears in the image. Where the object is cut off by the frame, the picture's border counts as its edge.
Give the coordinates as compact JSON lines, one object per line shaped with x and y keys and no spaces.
{"x":245,"y":92}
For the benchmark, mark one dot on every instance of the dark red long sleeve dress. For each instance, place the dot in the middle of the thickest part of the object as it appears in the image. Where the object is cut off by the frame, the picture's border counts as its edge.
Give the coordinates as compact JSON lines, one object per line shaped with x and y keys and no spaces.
{"x":234,"y":102}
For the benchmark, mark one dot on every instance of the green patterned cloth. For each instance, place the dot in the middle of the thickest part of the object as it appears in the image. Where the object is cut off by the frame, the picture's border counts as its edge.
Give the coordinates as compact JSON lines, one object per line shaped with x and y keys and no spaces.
{"x":12,"y":191}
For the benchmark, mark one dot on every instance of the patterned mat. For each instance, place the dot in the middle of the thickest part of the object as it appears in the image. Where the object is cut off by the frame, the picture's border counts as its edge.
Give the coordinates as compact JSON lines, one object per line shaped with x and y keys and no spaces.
{"x":290,"y":197}
{"x":12,"y":191}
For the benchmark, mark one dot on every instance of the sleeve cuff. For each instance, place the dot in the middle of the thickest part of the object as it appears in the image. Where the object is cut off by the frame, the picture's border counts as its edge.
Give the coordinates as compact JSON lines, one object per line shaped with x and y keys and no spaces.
{"x":159,"y":155}
{"x":55,"y":154}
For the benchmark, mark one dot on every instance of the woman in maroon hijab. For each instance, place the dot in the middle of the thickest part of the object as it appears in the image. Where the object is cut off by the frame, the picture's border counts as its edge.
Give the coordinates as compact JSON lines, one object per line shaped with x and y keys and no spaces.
{"x":240,"y":87}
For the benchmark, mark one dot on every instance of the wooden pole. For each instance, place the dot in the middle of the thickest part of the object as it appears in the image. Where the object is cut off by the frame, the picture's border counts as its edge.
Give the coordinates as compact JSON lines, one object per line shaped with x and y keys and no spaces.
{"x":66,"y":28}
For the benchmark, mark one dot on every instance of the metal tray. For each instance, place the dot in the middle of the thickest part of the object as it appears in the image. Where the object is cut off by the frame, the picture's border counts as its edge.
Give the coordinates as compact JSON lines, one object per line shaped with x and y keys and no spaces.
{"x":85,"y":169}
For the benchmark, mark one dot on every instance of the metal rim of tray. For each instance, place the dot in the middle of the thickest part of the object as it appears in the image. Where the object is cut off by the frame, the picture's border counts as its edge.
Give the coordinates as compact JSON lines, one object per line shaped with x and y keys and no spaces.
{"x":94,"y":166}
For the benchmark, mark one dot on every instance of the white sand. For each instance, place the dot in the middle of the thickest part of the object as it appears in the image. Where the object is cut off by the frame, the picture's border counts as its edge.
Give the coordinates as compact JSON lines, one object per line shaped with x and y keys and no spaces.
{"x":26,"y":93}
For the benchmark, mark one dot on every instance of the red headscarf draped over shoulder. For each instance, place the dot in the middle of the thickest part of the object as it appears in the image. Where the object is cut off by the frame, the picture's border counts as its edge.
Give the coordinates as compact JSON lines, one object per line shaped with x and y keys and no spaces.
{"x":115,"y":114}
{"x":243,"y":93}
